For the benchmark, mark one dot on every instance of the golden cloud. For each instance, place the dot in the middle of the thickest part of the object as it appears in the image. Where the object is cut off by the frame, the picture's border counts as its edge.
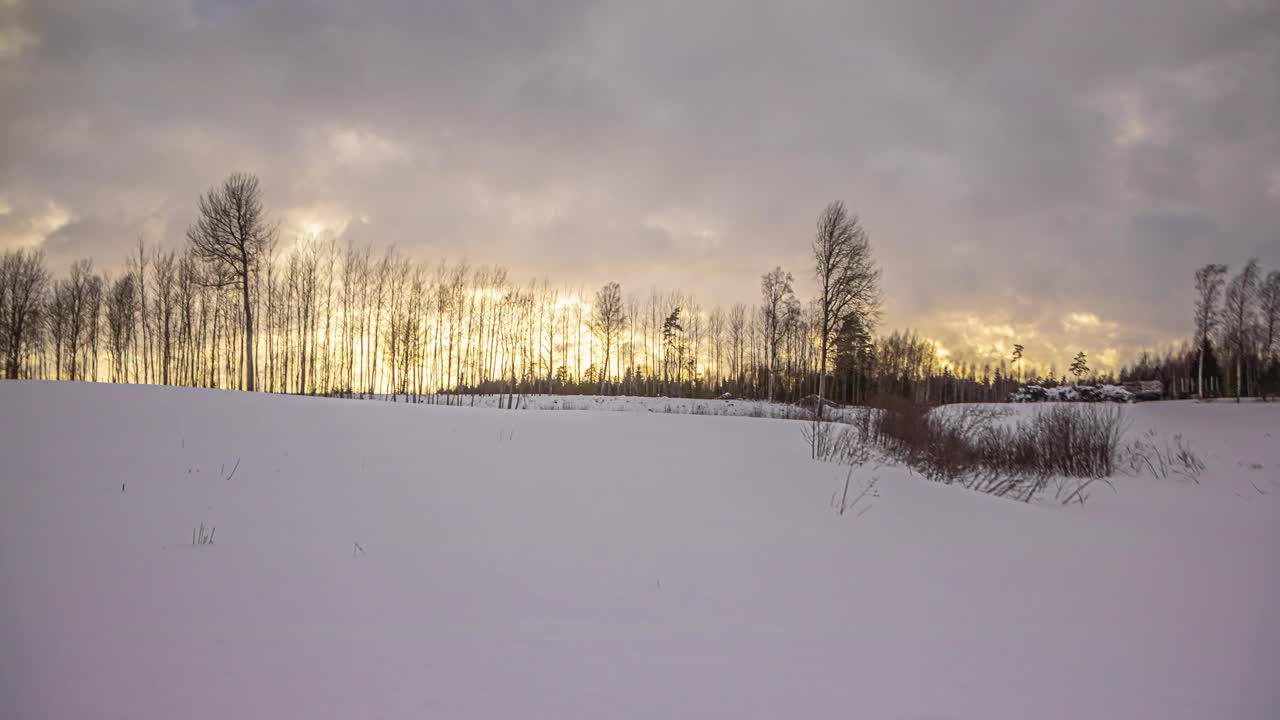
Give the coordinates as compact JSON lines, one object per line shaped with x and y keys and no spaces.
{"x":19,"y":229}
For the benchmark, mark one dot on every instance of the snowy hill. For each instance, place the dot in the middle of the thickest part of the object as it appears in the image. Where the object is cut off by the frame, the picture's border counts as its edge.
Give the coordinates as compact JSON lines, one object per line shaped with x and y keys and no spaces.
{"x":380,"y":560}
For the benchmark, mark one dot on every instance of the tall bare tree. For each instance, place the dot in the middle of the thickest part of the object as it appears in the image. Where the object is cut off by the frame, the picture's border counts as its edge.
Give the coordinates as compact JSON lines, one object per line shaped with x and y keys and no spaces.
{"x":231,"y":235}
{"x":1240,"y":324}
{"x":166,"y":277}
{"x":776,"y":297}
{"x":737,"y":344}
{"x":78,"y":291}
{"x":607,"y":319}
{"x":95,"y":292}
{"x":122,"y":310}
{"x":143,"y":318}
{"x":848,"y":281}
{"x":24,"y":280}
{"x":1269,"y":320}
{"x":56,"y":318}
{"x":1209,"y":281}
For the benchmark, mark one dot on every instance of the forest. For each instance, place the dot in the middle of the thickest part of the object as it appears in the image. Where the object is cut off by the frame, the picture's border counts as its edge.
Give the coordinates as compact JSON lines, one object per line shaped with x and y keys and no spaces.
{"x":234,"y":310}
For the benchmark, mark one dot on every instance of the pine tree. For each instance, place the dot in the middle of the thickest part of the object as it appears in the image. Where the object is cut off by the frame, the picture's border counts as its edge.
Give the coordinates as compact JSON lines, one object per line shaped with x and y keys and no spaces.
{"x":1080,"y":366}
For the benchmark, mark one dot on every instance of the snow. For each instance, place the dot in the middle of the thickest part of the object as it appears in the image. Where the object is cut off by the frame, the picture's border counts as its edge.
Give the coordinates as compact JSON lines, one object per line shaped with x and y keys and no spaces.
{"x":603,"y":565}
{"x":629,"y":403}
{"x":1072,"y":393}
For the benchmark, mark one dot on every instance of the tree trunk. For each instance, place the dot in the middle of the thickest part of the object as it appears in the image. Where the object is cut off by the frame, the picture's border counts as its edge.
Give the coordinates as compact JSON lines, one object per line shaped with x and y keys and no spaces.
{"x":822,"y":377}
{"x":248,"y":334}
{"x":1200,"y":379}
{"x":1239,"y":375}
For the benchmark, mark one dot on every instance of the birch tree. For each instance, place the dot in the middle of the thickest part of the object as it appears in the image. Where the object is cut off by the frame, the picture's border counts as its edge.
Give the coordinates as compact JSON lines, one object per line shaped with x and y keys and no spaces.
{"x":1239,"y":325}
{"x":775,"y":294}
{"x":607,"y":319}
{"x":848,"y":281}
{"x":231,"y":235}
{"x":1209,"y":281}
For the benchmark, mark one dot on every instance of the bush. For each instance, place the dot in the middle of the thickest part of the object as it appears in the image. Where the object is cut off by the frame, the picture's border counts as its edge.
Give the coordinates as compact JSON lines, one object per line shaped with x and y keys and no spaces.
{"x":966,"y":445}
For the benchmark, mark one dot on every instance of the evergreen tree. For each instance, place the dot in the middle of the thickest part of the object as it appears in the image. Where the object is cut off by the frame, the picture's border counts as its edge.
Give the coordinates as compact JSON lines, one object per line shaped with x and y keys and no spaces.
{"x":1080,"y":366}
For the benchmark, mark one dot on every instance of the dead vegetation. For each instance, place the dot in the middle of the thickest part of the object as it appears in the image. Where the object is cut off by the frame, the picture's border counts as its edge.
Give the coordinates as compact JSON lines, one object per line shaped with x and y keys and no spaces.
{"x":202,"y":535}
{"x":1065,"y":448}
{"x":1163,"y":457}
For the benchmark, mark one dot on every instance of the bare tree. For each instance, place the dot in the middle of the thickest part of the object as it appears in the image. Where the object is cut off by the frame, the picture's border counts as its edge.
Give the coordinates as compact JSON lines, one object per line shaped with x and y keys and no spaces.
{"x":122,"y":300}
{"x":776,"y":296}
{"x":142,"y":304}
{"x":737,"y":344}
{"x":23,"y":284}
{"x":94,"y":297}
{"x":607,"y":319}
{"x":715,"y":328}
{"x":1268,"y":326}
{"x":57,"y":320}
{"x":1240,"y":325}
{"x":166,"y":276}
{"x":1209,"y":280}
{"x":78,"y":321}
{"x":1269,"y":307}
{"x":848,"y":281}
{"x":231,"y":235}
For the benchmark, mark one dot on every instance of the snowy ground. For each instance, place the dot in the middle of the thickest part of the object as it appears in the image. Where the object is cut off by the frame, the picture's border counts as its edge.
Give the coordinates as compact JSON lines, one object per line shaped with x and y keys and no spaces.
{"x":603,"y":565}
{"x":630,"y":403}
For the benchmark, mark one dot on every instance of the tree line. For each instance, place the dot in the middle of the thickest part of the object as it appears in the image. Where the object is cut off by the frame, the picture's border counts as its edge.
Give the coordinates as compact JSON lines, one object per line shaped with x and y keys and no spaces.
{"x":1235,"y":350}
{"x":232,"y":309}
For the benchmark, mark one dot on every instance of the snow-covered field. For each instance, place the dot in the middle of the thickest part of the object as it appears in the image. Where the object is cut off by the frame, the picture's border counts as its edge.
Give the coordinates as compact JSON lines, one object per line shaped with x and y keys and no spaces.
{"x":603,"y":565}
{"x":629,"y":403}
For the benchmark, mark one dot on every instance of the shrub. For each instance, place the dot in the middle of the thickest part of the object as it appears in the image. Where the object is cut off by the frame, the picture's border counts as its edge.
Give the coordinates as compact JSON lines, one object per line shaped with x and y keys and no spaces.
{"x":966,"y":445}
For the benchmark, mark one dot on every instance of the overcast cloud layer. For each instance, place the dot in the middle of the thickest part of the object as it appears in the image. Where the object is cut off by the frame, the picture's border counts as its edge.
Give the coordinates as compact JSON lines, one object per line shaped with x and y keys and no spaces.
{"x":1050,"y":172}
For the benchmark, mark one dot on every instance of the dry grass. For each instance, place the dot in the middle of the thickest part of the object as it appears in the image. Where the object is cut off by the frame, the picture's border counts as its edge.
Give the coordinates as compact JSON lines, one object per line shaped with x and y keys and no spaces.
{"x":1067,"y":447}
{"x":1163,"y":458}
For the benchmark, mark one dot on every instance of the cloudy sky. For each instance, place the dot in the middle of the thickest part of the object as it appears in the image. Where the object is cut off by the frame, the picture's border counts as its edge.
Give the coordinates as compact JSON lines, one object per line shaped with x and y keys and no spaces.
{"x":1038,"y":171}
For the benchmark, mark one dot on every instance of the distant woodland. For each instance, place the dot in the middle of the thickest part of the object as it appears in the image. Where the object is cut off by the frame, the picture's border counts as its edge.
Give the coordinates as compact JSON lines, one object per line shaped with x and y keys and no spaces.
{"x":231,"y":310}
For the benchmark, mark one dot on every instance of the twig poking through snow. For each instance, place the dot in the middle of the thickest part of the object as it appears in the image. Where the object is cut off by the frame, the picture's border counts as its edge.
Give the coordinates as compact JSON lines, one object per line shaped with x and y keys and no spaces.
{"x":868,"y":489}
{"x":202,"y":535}
{"x":357,"y":551}
{"x":233,"y":470}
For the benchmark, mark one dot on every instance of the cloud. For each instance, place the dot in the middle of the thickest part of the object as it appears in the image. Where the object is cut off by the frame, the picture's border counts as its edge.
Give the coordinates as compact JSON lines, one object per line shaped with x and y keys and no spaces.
{"x":15,"y":40}
{"x":989,"y":338}
{"x":1031,"y":157}
{"x":317,"y":221}
{"x":1087,"y":322}
{"x":30,"y":226}
{"x":363,"y":150}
